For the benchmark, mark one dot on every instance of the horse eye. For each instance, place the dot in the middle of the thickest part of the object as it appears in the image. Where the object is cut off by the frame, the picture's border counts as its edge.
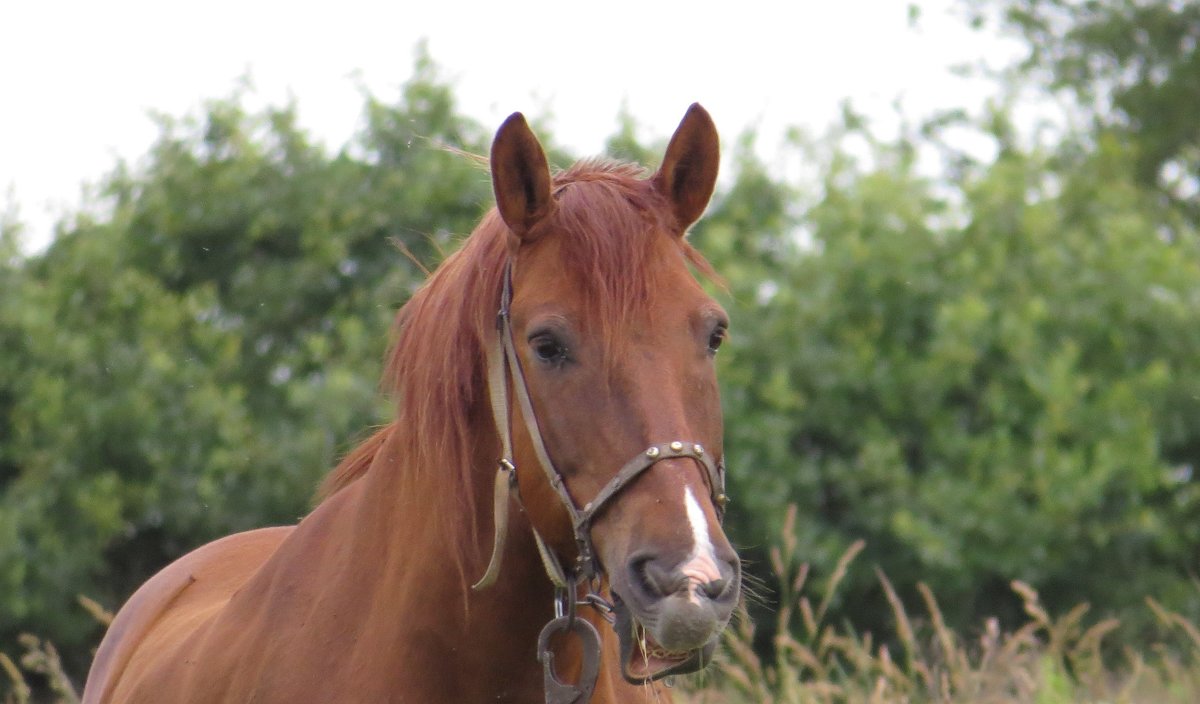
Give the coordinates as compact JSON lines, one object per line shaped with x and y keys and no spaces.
{"x":548,"y":349}
{"x":715,"y":339}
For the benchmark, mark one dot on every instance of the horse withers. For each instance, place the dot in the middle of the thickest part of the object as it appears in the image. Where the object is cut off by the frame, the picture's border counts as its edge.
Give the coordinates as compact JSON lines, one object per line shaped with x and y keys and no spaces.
{"x":555,"y":464}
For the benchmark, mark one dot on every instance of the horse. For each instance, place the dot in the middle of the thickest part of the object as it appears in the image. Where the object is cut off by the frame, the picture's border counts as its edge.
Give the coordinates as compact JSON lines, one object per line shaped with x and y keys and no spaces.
{"x":555,"y":465}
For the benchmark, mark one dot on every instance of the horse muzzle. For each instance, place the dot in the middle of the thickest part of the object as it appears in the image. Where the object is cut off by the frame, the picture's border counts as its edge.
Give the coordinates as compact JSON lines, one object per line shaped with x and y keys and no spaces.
{"x":668,"y":621}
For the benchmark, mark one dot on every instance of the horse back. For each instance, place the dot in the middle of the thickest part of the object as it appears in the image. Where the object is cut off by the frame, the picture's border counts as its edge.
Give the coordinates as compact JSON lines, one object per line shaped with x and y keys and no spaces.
{"x":172,"y":605}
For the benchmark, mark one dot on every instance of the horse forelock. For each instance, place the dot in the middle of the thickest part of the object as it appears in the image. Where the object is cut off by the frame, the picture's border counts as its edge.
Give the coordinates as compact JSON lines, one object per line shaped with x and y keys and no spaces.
{"x":607,"y":216}
{"x":615,"y":228}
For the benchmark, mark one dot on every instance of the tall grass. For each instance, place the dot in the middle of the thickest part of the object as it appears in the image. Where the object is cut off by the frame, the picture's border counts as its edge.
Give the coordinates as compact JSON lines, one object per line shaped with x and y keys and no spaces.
{"x":1047,"y":660}
{"x":41,"y":660}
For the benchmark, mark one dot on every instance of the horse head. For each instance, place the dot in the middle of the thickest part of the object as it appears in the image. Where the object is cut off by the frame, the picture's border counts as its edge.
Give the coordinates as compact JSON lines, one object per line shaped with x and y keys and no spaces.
{"x":611,"y":343}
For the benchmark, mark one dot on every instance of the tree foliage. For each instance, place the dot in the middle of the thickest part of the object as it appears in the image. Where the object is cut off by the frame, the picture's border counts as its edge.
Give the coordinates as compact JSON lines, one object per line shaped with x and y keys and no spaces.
{"x":1134,"y":68}
{"x":193,"y":363}
{"x":1003,"y":389}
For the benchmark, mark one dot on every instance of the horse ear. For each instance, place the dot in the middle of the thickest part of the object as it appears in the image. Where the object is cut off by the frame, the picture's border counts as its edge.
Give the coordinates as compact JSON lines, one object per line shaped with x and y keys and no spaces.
{"x":520,"y":176}
{"x":689,"y":170}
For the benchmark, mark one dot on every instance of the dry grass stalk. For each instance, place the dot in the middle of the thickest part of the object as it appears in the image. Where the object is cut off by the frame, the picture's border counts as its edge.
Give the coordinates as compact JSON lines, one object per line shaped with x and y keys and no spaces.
{"x":19,"y":691}
{"x":98,"y":612}
{"x":1046,"y":660}
{"x":43,"y":659}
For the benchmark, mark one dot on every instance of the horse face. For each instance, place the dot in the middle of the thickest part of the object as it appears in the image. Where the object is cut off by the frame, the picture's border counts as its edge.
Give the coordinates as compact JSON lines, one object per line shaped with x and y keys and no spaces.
{"x":600,"y":403}
{"x":604,"y":391}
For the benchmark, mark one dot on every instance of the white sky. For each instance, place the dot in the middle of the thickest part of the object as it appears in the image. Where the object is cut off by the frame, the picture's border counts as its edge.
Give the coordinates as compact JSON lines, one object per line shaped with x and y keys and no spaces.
{"x":78,"y":77}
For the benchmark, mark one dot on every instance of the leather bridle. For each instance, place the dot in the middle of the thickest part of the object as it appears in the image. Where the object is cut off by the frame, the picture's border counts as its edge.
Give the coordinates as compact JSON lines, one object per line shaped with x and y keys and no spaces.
{"x":503,"y":365}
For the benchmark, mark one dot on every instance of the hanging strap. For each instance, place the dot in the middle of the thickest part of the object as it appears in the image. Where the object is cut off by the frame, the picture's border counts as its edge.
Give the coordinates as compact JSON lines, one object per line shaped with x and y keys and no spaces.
{"x":506,"y":475}
{"x":505,"y":484}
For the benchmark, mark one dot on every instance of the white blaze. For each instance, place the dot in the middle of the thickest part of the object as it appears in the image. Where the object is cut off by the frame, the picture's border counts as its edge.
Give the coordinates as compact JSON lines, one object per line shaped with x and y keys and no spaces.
{"x":701,"y":566}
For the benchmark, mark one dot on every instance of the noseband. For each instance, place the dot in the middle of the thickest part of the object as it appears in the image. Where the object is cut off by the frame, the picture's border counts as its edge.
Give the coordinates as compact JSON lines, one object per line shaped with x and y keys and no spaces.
{"x":504,"y":364}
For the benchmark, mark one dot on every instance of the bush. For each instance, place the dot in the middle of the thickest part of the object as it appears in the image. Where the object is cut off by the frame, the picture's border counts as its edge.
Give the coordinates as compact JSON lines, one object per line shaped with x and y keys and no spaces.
{"x":989,"y":380}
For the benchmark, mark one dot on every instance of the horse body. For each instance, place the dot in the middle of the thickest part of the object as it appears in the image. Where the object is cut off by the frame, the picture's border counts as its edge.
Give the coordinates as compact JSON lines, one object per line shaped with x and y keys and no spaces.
{"x":367,"y":598}
{"x":310,"y":614}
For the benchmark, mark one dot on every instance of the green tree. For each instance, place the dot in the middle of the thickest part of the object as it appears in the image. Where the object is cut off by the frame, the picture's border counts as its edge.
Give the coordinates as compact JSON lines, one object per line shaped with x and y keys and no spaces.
{"x":1133,"y":68}
{"x":193,"y":362}
{"x":987,"y":379}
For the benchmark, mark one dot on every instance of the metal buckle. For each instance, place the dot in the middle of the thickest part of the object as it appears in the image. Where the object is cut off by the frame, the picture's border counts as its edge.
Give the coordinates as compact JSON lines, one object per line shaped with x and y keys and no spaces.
{"x":558,"y":692}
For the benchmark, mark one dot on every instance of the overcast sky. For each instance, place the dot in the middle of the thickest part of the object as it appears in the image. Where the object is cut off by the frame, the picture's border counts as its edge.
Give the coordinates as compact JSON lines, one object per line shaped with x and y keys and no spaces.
{"x":78,"y":78}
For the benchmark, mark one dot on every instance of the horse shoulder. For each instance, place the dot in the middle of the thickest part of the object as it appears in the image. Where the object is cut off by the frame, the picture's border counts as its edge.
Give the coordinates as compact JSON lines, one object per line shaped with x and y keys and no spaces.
{"x":185,"y":590}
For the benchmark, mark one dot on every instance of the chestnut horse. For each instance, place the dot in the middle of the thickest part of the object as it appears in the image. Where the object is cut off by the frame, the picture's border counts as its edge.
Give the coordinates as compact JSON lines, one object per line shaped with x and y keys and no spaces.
{"x":567,"y":339}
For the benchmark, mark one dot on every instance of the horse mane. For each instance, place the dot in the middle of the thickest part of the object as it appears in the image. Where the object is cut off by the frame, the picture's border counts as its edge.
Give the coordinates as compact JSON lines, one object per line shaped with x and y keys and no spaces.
{"x":607,"y":214}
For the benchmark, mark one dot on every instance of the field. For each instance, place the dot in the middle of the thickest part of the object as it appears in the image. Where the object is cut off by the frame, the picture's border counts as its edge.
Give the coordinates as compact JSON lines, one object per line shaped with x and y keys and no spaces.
{"x":1049,"y":659}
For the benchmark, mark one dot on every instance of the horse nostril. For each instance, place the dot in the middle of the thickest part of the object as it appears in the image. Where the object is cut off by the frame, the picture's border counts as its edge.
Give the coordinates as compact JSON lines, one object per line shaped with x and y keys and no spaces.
{"x":724,"y":587}
{"x":715,"y":588}
{"x":655,"y":580}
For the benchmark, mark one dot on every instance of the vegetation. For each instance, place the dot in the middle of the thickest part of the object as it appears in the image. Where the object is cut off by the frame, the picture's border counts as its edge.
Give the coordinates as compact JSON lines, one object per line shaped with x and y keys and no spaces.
{"x":920,"y":659}
{"x":983,"y":383}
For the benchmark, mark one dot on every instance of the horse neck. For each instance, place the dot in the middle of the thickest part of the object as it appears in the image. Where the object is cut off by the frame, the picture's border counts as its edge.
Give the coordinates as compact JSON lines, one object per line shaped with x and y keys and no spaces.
{"x":420,"y":588}
{"x":484,"y":641}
